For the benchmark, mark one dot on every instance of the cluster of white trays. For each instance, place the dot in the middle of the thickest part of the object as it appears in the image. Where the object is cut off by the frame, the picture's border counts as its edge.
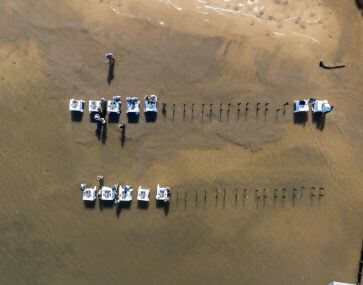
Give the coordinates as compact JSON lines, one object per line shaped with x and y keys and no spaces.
{"x":119,"y":194}
{"x":114,"y":105}
{"x":318,"y":106}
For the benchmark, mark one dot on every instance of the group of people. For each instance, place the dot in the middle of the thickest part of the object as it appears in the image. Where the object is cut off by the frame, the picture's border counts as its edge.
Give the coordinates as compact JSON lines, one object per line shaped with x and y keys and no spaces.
{"x":100,"y":116}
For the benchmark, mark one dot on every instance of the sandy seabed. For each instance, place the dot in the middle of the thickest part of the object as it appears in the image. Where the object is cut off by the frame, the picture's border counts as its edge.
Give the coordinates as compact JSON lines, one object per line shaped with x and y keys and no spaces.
{"x":186,"y":52}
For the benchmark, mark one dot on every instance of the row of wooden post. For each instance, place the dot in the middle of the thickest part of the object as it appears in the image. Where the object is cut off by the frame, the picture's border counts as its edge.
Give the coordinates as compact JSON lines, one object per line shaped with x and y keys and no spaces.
{"x":260,"y":195}
{"x":221,"y":110}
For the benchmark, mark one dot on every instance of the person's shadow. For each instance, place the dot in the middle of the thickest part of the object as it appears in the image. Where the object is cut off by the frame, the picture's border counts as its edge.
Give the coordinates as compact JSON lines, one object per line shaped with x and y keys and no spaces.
{"x":98,"y":131}
{"x":122,"y":138}
{"x":111,"y":68}
{"x":122,"y":206}
{"x":104,"y":133}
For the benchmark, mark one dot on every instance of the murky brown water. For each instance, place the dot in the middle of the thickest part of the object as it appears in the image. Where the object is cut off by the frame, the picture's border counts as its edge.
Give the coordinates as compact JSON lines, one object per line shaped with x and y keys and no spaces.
{"x":185,"y":52}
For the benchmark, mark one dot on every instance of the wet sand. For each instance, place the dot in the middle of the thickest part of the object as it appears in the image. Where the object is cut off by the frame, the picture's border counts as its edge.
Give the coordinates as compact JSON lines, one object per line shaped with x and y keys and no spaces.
{"x":186,"y":52}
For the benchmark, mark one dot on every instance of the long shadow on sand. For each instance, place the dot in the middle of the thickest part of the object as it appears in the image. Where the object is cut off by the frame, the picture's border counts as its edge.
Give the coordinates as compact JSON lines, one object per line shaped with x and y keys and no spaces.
{"x":319,"y":120}
{"x":89,"y":204}
{"x":104,"y":134}
{"x":121,"y":207}
{"x":143,"y":205}
{"x":300,"y":118}
{"x":98,"y":131}
{"x":113,"y":118}
{"x":150,"y":117}
{"x":163,"y":205}
{"x":111,"y":75}
{"x":122,"y":139}
{"x":105,"y":204}
{"x":76,"y":116}
{"x":101,"y":132}
{"x":133,"y":118}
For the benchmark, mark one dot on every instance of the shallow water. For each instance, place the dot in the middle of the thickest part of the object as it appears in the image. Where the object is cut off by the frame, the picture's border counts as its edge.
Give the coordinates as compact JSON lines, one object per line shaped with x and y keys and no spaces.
{"x":219,"y":52}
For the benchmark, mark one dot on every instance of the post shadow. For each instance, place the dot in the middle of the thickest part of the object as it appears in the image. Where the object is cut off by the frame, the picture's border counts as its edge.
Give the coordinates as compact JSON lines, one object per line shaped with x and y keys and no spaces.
{"x":257,"y":197}
{"x":295,"y":196}
{"x":236,"y":198}
{"x":210,"y":112}
{"x":257,"y":109}
{"x":133,"y":118}
{"x":220,"y":112}
{"x":245,"y":197}
{"x":284,"y":111}
{"x":203,"y":113}
{"x":266,"y":110}
{"x":283,"y":197}
{"x":302,"y":191}
{"x":312,"y":195}
{"x":264,"y":196}
{"x":163,"y":110}
{"x":186,"y":199}
{"x":192,"y":113}
{"x":184,"y":113}
{"x":224,"y":198}
{"x":205,"y":197}
{"x":246,"y":111}
{"x":276,"y":196}
{"x":238,"y":110}
{"x":111,"y":67}
{"x":217,"y":194}
{"x":150,"y":117}
{"x":277,"y":113}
